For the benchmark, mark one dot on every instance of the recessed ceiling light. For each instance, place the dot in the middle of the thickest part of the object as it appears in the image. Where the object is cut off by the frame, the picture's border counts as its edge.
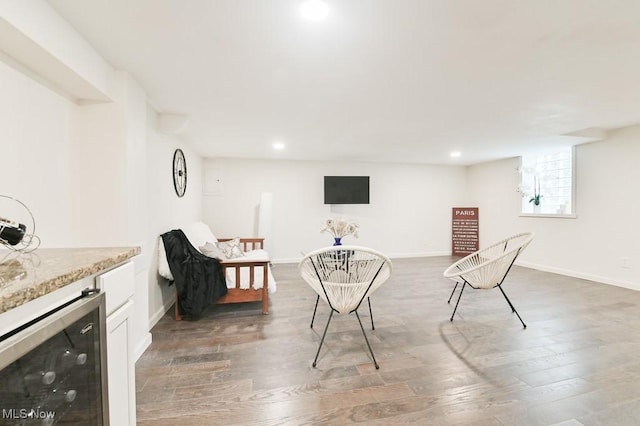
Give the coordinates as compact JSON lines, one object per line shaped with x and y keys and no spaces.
{"x":278,"y":146}
{"x":314,"y":10}
{"x":455,"y":154}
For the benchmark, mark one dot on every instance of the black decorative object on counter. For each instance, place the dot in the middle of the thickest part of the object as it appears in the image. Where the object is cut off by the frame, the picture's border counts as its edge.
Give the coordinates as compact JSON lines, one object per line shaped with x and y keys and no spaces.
{"x":13,"y":234}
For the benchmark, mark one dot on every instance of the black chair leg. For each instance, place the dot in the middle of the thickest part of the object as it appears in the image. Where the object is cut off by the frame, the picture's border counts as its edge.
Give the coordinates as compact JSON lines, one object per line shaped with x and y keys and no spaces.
{"x":322,"y":340}
{"x":367,"y":340}
{"x":507,"y":299}
{"x":314,"y":311}
{"x":511,"y":305}
{"x":454,"y":290}
{"x":459,"y":296}
{"x":373,"y":327}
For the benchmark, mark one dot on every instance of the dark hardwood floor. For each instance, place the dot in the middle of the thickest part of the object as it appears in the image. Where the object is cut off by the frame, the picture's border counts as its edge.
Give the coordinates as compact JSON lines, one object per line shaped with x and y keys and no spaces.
{"x":576,"y":363}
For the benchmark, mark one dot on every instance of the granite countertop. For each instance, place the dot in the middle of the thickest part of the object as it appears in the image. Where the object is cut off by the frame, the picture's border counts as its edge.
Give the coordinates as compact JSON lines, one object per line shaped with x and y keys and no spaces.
{"x":25,"y":277}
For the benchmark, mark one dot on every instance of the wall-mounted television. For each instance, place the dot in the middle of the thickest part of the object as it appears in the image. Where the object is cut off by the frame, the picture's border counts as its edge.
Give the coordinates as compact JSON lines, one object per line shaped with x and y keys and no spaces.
{"x":346,"y":189}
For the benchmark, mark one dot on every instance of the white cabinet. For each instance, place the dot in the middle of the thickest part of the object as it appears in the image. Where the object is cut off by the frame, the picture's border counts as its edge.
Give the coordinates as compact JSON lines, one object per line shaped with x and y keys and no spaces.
{"x":118,"y":285}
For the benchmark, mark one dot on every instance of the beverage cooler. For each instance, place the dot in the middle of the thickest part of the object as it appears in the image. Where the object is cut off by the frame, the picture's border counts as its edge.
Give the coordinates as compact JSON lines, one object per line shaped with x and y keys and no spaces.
{"x":53,"y":369}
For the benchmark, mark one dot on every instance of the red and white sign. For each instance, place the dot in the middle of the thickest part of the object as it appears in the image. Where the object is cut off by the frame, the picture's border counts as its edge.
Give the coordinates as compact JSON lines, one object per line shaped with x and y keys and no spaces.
{"x":464,"y":231}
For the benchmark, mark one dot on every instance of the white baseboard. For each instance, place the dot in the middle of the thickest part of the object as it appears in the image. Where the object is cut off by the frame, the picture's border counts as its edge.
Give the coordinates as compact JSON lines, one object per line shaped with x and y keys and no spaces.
{"x":142,"y":346}
{"x":158,"y":314}
{"x":423,"y":254}
{"x":581,"y":275}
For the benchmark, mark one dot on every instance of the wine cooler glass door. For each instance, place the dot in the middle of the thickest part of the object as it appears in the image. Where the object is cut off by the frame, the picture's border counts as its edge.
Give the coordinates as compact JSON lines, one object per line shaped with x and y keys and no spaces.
{"x":53,"y":371}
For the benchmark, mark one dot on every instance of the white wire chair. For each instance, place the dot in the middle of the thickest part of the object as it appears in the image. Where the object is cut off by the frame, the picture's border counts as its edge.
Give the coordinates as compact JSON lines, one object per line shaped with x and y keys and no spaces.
{"x":487,"y":268}
{"x":343,"y":276}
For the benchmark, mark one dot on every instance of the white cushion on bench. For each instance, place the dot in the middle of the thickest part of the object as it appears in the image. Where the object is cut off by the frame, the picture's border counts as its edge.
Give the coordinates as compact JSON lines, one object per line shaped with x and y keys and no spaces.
{"x":198,"y":235}
{"x":250,"y":256}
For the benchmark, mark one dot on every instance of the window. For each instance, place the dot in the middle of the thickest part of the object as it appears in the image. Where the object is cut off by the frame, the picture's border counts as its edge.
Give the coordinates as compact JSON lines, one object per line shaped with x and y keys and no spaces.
{"x":547,"y":183}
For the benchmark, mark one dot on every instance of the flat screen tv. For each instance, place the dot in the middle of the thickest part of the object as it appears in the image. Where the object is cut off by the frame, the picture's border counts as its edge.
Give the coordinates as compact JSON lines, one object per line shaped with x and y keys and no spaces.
{"x":346,"y":189}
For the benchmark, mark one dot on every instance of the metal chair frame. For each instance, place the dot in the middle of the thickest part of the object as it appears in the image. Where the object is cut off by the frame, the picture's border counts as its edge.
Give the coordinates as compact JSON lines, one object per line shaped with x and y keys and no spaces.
{"x":469,"y":268}
{"x":343,"y":259}
{"x":373,"y":327}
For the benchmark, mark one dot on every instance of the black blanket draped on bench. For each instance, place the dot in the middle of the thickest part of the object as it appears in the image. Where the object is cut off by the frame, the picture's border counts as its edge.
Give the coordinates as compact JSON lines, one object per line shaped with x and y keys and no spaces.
{"x":199,"y":279}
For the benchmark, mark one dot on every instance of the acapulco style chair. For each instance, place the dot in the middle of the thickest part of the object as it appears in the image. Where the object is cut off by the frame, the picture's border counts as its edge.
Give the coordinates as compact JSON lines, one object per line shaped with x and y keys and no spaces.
{"x":487,"y":268}
{"x":343,"y":276}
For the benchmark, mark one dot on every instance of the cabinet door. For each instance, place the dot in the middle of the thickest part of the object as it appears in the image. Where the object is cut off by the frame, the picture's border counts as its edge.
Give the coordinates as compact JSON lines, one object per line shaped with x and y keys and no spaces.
{"x":118,"y":285}
{"x":121,"y":368}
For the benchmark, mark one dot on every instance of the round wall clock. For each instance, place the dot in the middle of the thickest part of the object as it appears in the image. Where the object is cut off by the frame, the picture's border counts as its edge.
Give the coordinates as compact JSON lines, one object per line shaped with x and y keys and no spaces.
{"x":179,"y":172}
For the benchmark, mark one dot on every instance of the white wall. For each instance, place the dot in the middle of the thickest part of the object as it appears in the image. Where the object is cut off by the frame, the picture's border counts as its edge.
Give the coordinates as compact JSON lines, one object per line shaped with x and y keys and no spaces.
{"x":492,"y":188}
{"x":165,"y":210}
{"x":35,"y":152}
{"x":93,"y":174}
{"x":409,"y":214}
{"x":592,"y":245}
{"x":99,"y":170}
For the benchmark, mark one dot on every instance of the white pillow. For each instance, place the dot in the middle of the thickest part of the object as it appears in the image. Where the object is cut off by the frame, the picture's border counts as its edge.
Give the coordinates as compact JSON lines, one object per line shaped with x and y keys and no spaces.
{"x":211,"y":250}
{"x":199,"y":234}
{"x":231,"y":249}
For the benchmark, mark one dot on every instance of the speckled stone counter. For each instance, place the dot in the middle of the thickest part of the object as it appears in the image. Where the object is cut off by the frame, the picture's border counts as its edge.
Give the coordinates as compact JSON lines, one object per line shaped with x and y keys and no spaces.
{"x":25,"y":277}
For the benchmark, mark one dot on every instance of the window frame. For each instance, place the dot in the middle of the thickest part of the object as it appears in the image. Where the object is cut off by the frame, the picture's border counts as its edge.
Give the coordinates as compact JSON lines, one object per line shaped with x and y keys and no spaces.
{"x":570,"y":215}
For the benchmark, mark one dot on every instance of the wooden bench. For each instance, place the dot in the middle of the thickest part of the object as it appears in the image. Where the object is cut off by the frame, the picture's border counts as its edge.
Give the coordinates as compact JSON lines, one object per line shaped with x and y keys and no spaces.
{"x":238,"y":294}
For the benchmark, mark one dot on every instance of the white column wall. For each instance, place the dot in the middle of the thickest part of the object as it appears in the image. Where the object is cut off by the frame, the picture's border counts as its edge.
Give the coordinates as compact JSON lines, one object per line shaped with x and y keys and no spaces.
{"x":166,"y":211}
{"x":99,"y":168}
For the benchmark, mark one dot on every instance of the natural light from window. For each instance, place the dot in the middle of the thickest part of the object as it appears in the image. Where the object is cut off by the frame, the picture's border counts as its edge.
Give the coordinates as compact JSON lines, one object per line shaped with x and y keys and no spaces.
{"x":547,"y":183}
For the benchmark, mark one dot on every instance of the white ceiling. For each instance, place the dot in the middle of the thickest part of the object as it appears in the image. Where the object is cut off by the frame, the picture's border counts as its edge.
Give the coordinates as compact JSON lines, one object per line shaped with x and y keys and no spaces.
{"x":378,"y":80}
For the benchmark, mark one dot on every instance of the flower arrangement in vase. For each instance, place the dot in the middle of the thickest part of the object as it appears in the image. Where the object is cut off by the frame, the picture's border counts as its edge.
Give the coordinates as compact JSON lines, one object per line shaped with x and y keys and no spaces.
{"x":340,"y":228}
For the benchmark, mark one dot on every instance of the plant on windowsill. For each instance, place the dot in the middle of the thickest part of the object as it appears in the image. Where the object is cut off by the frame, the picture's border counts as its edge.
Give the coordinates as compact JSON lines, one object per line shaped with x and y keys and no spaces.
{"x":535,"y":199}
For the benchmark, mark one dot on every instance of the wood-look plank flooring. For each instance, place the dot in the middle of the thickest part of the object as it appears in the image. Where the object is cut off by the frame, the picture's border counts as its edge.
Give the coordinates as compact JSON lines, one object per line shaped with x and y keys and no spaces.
{"x":577,"y":363}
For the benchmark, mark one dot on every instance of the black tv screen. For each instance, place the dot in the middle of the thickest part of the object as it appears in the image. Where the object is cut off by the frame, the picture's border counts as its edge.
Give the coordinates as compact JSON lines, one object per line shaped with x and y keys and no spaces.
{"x":346,"y":189}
